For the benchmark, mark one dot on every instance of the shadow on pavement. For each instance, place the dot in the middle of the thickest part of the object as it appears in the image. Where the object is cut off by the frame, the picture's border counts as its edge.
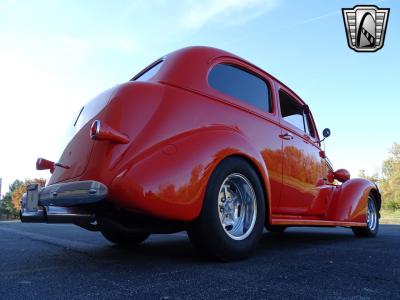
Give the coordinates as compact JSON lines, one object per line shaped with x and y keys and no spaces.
{"x":179,"y":249}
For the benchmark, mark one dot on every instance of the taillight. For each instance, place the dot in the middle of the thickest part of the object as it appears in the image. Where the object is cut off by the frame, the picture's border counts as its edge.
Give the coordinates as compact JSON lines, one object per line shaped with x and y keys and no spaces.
{"x":102,"y":131}
{"x":44,"y":164}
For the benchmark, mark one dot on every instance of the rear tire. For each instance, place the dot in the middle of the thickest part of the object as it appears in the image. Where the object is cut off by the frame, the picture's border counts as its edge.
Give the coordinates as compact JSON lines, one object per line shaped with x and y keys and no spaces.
{"x":123,"y":238}
{"x":371,"y":230}
{"x":232,"y":218}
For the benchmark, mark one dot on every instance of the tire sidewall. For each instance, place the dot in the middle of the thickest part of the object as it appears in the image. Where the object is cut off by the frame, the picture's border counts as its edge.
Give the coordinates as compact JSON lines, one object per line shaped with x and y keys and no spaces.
{"x":219,"y":238}
{"x":375,"y":231}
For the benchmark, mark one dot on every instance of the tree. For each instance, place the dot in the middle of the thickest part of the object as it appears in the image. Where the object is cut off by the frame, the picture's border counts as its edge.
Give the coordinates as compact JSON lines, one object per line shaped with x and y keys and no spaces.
{"x":374,"y":177}
{"x":10,"y":204}
{"x":390,"y":186}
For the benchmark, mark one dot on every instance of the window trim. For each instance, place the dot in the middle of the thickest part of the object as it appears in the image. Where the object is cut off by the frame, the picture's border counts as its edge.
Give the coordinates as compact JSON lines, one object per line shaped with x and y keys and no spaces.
{"x":294,"y":127}
{"x":307,"y":120}
{"x":315,"y":140}
{"x":148,"y":68}
{"x":271,"y":105}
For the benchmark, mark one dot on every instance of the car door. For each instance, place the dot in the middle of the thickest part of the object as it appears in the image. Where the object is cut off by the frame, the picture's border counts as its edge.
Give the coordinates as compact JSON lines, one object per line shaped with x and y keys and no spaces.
{"x":303,"y":167}
{"x":239,"y":81}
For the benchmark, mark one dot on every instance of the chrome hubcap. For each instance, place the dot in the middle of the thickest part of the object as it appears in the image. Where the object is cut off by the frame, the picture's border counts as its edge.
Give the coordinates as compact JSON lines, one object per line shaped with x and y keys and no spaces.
{"x":372,"y":216}
{"x":237,"y":206}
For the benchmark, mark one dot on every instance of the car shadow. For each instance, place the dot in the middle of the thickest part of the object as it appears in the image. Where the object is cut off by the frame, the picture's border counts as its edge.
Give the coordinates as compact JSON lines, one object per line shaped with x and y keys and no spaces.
{"x":177,"y":248}
{"x":300,"y":238}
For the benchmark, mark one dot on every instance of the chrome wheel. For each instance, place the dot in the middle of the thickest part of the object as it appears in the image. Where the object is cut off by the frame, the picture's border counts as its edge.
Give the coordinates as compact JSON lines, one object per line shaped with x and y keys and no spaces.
{"x":372,"y":215}
{"x":237,"y":206}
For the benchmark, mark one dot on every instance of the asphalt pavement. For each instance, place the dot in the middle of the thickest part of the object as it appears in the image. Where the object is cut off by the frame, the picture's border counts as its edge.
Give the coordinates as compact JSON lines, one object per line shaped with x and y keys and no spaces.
{"x":40,"y":261}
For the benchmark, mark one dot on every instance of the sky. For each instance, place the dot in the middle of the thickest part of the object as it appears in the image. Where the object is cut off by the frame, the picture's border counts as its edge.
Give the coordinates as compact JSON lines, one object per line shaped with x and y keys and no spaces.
{"x":57,"y":55}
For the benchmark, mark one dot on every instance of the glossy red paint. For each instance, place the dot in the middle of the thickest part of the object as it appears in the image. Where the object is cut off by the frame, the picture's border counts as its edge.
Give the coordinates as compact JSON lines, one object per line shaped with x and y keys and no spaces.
{"x":180,"y":129}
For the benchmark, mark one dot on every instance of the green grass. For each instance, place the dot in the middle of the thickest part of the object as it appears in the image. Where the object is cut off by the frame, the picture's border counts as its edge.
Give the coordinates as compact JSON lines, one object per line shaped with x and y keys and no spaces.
{"x":390,"y":216}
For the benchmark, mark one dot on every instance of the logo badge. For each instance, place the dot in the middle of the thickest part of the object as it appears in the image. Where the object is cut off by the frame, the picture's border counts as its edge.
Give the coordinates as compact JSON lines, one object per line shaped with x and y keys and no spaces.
{"x":365,"y":27}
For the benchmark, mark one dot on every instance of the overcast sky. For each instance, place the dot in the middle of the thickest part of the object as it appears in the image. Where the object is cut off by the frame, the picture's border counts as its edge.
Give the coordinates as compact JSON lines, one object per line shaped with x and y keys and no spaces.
{"x":57,"y":55}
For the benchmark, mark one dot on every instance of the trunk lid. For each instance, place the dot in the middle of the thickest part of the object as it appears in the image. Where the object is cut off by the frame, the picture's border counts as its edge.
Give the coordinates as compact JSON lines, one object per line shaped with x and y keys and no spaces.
{"x":77,"y":153}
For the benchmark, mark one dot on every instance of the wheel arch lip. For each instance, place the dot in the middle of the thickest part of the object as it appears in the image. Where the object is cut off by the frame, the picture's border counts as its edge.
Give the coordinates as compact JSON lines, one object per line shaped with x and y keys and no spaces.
{"x":222,"y":142}
{"x":351,"y":198}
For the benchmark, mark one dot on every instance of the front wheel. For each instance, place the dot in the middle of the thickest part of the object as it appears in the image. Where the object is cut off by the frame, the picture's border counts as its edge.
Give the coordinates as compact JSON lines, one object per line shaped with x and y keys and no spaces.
{"x":231,"y":221}
{"x":372,"y":227}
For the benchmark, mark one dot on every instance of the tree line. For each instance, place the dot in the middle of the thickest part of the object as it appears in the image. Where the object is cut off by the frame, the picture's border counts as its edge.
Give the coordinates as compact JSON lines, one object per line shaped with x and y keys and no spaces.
{"x":10,"y":204}
{"x":388,"y":179}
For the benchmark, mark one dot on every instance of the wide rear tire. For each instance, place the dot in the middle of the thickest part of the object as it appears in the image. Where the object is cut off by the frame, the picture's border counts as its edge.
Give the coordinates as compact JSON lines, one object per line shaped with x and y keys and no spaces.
{"x":232,"y":218}
{"x":371,"y":230}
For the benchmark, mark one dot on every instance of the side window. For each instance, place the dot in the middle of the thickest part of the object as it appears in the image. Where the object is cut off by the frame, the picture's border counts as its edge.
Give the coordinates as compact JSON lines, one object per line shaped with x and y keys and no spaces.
{"x":149,"y":73}
{"x":240,"y":84}
{"x":310,"y":127}
{"x":291,"y":110}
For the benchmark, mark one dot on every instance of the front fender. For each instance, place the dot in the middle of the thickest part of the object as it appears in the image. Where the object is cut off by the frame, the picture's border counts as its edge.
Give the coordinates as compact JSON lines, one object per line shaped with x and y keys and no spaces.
{"x":169,"y":179}
{"x":350,"y":200}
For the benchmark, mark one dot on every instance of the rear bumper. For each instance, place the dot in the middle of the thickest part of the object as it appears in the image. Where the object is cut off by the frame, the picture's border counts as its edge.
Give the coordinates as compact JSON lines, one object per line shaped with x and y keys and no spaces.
{"x":62,"y":202}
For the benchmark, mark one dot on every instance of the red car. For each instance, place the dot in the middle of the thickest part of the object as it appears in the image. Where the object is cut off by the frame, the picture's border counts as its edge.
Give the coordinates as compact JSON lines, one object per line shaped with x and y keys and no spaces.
{"x":204,"y":141}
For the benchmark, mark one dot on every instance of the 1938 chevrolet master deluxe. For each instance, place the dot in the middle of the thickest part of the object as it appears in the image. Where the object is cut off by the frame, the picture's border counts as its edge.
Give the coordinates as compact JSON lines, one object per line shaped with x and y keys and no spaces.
{"x":203,"y":141}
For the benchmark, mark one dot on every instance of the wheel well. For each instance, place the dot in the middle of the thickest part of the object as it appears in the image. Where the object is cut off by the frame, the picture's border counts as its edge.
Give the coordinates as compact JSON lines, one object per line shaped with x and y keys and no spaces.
{"x":260,"y":177}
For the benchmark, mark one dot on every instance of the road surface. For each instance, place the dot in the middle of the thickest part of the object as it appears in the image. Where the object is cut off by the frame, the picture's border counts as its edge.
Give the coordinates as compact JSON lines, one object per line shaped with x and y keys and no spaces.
{"x":64,"y":261}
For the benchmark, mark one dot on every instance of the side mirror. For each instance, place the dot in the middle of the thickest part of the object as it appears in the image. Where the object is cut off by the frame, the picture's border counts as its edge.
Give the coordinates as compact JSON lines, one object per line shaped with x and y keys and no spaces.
{"x":326,"y":133}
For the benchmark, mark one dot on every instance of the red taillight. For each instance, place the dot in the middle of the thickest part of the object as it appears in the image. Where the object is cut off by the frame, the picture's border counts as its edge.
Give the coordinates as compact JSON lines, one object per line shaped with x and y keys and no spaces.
{"x":101,"y":131}
{"x":44,"y":164}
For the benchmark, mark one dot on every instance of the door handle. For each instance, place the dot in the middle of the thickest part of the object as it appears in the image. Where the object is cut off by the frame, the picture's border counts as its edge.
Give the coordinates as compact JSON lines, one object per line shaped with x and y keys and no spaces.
{"x":286,"y":136}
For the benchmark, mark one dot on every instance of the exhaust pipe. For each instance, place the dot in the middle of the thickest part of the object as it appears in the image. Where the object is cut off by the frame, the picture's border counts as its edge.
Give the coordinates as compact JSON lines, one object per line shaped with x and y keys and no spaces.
{"x":37,"y":216}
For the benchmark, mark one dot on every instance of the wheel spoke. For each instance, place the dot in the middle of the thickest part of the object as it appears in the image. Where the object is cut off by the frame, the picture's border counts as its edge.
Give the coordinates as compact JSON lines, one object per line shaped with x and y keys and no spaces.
{"x":237,"y":206}
{"x":372,"y":215}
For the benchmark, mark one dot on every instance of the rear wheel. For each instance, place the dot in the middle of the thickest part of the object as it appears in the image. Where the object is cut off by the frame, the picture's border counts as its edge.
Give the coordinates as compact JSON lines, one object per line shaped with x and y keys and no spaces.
{"x":231,"y":221}
{"x":123,"y":238}
{"x":372,"y":227}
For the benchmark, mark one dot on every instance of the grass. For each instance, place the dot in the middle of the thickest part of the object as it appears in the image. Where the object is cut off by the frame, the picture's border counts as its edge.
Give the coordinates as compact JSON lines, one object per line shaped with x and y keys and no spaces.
{"x":390,"y":216}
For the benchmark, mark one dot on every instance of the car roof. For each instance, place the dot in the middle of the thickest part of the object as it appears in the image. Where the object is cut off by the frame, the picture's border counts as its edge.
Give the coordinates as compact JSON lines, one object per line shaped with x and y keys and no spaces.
{"x":187,"y":66}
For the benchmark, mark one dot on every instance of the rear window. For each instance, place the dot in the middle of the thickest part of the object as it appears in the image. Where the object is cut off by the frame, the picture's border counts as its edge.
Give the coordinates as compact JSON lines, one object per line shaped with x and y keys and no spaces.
{"x":149,"y":73}
{"x":92,"y":108}
{"x":240,"y":84}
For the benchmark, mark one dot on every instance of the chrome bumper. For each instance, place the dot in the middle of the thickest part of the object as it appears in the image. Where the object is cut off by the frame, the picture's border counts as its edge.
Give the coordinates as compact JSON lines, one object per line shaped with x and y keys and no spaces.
{"x":61,"y":203}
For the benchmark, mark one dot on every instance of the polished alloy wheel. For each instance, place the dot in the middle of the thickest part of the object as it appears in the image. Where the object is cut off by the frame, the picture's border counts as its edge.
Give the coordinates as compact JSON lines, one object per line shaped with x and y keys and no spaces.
{"x":237,"y":206}
{"x":372,"y":215}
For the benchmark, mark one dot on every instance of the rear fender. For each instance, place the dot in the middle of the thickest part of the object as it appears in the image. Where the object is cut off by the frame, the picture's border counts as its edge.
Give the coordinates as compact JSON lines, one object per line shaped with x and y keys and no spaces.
{"x":349,"y":203}
{"x":169,"y":179}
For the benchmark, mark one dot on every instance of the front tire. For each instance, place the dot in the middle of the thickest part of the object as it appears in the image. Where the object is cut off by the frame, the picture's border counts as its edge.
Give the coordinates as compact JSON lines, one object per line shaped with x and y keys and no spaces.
{"x":371,"y":230}
{"x":232,"y":218}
